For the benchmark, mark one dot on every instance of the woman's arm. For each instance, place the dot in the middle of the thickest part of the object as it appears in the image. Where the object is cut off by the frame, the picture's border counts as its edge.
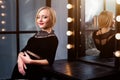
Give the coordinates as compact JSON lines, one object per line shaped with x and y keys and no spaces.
{"x":40,"y":62}
{"x":27,"y":60}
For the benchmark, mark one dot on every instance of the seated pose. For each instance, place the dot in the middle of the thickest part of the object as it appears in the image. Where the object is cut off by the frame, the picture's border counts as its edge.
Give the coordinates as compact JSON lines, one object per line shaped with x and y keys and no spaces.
{"x":104,"y":38}
{"x":40,"y":49}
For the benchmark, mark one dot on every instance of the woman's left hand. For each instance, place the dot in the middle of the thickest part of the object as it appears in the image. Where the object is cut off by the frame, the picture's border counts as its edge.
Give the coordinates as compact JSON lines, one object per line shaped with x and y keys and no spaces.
{"x":26,"y":58}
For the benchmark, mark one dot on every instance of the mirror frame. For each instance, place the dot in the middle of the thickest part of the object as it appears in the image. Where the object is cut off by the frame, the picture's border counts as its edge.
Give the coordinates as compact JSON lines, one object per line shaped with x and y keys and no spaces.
{"x":77,"y":26}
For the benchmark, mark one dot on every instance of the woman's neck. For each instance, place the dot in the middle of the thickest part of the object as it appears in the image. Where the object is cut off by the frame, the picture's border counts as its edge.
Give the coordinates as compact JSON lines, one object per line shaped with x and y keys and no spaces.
{"x":104,"y":30}
{"x":47,"y":30}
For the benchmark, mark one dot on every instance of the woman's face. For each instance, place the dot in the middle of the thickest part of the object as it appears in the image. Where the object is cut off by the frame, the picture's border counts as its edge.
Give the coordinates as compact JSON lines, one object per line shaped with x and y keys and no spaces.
{"x":43,"y":19}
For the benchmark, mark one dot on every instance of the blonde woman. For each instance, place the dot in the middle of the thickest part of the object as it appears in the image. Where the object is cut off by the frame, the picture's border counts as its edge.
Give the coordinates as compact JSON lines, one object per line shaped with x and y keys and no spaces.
{"x":40,"y":49}
{"x":104,"y":38}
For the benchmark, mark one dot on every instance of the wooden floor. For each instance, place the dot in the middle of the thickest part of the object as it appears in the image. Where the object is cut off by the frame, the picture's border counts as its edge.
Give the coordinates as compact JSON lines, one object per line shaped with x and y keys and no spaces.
{"x":79,"y":70}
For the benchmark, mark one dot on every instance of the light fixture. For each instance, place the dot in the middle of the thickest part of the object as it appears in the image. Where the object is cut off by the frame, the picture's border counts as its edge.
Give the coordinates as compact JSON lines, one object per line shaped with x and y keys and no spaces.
{"x":69,"y":46}
{"x":80,"y":32}
{"x":69,"y":33}
{"x":80,"y":6}
{"x":117,"y":36}
{"x":80,"y":20}
{"x":3,"y":6}
{"x":3,"y":37}
{"x":1,"y":1}
{"x":118,"y":18}
{"x":117,"y":53}
{"x":69,"y":19}
{"x":3,"y":14}
{"x":69,"y":6}
{"x":118,"y":1}
{"x":117,"y":60}
{"x":3,"y":22}
{"x":3,"y":29}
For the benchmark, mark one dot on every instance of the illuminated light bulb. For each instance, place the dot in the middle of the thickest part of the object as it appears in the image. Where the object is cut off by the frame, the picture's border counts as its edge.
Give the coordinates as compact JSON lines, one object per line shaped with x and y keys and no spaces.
{"x":69,"y":19}
{"x":117,"y":53}
{"x":69,"y":6}
{"x":3,"y":6}
{"x":3,"y":37}
{"x":118,"y":1}
{"x":69,"y":33}
{"x":69,"y":46}
{"x":3,"y":29}
{"x":80,"y":20}
{"x":80,"y":6}
{"x":1,"y":2}
{"x":80,"y":32}
{"x":118,"y":18}
{"x":117,"y":36}
{"x":3,"y":14}
{"x":3,"y":22}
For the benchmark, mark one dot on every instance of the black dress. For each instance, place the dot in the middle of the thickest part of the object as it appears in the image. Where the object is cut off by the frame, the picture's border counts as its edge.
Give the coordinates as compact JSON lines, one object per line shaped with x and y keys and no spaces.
{"x":106,"y":43}
{"x":44,"y":45}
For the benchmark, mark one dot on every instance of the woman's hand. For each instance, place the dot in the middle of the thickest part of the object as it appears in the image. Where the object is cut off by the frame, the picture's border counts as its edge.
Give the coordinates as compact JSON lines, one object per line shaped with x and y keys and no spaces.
{"x":21,"y":64}
{"x":26,"y":58}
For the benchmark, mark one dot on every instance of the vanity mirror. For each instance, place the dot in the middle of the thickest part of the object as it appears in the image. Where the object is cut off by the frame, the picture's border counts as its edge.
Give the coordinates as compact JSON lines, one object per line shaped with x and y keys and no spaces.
{"x":86,"y":12}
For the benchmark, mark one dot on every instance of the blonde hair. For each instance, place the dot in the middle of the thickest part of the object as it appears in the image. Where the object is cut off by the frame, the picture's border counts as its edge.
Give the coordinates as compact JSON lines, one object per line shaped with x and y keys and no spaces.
{"x":105,"y":19}
{"x":52,"y":14}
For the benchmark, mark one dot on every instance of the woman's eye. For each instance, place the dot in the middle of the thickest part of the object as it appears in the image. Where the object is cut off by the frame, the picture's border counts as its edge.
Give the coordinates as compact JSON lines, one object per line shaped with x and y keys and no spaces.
{"x":38,"y":17}
{"x":45,"y":16}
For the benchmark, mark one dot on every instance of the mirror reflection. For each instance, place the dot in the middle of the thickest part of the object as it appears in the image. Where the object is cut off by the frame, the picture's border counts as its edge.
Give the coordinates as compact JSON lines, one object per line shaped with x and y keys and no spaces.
{"x":93,"y":8}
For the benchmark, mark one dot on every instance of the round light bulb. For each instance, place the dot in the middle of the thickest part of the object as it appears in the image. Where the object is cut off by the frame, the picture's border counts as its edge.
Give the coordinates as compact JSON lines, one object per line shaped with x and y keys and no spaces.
{"x":3,"y":22}
{"x":1,"y":2}
{"x":118,"y":18}
{"x":69,"y":33}
{"x":69,"y":19}
{"x":69,"y":46}
{"x":117,"y":53}
{"x":117,"y":36}
{"x":3,"y":37}
{"x":3,"y":6}
{"x":3,"y":14}
{"x":69,"y":6}
{"x":3,"y":29}
{"x":118,"y":1}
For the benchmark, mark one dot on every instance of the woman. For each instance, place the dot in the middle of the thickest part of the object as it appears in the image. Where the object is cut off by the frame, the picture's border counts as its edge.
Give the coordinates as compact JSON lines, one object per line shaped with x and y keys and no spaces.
{"x":40,"y":49}
{"x":104,"y":38}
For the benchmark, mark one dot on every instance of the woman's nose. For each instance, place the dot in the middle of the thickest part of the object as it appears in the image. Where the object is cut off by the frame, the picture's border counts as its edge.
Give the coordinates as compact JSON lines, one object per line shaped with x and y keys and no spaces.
{"x":40,"y":19}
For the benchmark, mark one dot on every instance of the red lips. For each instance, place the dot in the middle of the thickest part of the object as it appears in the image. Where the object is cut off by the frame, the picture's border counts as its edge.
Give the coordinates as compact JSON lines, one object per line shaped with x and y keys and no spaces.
{"x":41,"y":23}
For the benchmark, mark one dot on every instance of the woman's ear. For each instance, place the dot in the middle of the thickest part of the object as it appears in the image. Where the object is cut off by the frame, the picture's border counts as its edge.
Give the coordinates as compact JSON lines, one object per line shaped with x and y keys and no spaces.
{"x":113,"y":23}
